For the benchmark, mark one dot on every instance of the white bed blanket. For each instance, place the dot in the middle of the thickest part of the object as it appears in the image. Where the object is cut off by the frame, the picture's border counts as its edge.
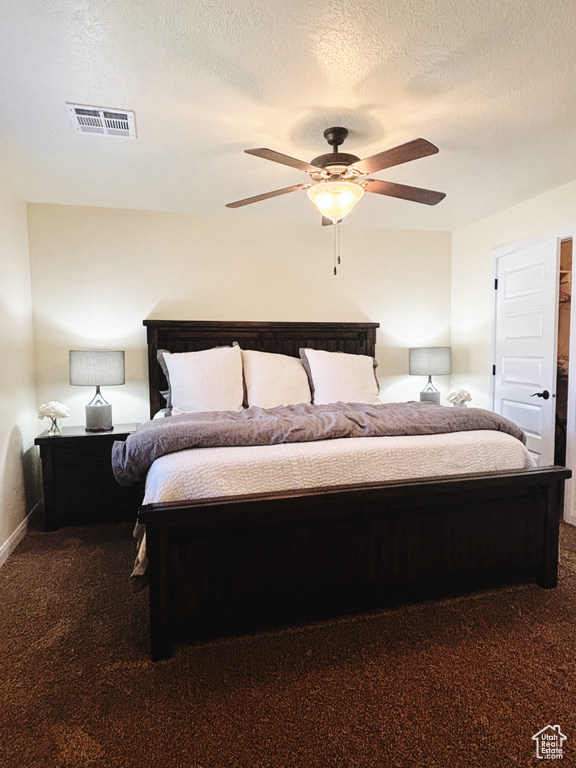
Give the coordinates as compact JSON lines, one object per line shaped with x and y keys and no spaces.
{"x":211,"y":472}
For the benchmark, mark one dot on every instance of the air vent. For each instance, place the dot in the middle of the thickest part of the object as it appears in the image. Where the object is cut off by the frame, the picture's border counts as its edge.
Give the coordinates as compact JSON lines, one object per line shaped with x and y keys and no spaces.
{"x":101,"y":120}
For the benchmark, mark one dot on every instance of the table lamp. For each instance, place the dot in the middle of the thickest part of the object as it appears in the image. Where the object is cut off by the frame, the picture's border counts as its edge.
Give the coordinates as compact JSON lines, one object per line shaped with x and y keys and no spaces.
{"x":430,"y":361}
{"x":97,"y":368}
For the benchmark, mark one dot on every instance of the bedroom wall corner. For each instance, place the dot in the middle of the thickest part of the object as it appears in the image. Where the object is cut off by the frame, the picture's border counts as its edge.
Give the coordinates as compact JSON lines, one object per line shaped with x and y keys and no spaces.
{"x":19,"y":464}
{"x":549,"y":214}
{"x":472,"y":281}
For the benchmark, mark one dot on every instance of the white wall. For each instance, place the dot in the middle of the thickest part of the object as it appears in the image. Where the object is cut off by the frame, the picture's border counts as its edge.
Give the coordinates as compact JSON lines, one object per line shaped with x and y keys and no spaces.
{"x":97,"y":273}
{"x":19,"y":488}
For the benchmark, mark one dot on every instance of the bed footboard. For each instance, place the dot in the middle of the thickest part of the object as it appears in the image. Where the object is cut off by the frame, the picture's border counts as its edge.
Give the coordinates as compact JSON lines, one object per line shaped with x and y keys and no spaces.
{"x":236,"y":564}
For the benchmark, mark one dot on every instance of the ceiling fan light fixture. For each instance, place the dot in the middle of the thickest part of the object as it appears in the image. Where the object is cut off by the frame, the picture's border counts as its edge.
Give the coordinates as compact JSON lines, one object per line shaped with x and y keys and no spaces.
{"x":335,"y":199}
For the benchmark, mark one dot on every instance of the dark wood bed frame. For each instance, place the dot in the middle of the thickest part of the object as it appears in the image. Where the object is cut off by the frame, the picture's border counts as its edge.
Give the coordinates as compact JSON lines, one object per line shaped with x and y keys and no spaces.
{"x":236,"y":564}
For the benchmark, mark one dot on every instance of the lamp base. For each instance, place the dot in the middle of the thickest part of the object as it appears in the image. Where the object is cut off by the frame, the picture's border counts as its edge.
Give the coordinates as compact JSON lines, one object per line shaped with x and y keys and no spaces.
{"x":99,"y":418}
{"x":430,"y":397}
{"x":430,"y":394}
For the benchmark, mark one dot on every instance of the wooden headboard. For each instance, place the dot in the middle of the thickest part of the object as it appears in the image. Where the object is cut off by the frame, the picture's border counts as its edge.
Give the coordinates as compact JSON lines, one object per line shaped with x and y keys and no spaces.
{"x":284,"y":338}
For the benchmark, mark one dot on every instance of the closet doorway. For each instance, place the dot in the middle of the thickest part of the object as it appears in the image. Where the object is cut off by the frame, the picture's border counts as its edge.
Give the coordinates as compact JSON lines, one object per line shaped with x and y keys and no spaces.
{"x":563,"y":357}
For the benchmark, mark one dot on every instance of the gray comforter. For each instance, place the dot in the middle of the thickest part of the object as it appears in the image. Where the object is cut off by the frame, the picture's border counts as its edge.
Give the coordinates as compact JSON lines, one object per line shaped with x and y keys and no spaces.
{"x":294,"y":423}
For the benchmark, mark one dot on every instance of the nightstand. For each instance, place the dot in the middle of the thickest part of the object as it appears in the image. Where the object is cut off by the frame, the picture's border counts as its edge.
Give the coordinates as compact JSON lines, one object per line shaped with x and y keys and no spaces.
{"x":77,"y":478}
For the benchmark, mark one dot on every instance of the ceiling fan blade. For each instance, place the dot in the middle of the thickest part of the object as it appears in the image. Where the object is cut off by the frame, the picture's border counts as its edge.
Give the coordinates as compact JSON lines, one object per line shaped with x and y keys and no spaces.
{"x":266,"y":195}
{"x":416,"y":194}
{"x":278,"y":157}
{"x":412,"y":150}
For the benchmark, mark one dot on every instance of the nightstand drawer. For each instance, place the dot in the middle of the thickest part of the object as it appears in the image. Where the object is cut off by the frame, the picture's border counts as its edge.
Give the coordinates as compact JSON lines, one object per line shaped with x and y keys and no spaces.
{"x":83,"y":472}
{"x":78,"y":481}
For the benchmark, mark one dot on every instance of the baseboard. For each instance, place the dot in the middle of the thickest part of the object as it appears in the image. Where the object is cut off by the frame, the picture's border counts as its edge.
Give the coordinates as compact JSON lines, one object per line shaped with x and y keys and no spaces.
{"x":12,"y":542}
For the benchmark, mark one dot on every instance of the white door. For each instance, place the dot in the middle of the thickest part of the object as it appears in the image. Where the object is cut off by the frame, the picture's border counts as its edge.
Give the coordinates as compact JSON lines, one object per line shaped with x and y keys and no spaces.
{"x":525,"y":342}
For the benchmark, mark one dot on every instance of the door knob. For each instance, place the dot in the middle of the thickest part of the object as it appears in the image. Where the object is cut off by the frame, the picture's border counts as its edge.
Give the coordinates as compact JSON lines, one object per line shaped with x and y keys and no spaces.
{"x":545,"y":395}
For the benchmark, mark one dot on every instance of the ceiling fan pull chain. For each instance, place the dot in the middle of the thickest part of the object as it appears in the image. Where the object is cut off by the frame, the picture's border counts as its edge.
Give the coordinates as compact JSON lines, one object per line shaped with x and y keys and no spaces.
{"x":336,"y":246}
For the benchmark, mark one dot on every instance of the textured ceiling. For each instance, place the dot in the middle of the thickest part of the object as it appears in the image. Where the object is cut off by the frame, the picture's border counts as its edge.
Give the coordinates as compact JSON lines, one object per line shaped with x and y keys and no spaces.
{"x":490,"y":82}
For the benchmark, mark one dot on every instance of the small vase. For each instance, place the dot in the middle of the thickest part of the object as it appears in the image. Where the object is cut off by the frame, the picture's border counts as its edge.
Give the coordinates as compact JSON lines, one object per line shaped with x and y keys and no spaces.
{"x":459,"y":405}
{"x":54,"y":429}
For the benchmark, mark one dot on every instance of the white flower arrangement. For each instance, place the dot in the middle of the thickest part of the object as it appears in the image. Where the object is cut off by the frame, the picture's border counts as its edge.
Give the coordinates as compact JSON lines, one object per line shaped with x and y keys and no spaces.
{"x":53,"y":410}
{"x":459,"y":397}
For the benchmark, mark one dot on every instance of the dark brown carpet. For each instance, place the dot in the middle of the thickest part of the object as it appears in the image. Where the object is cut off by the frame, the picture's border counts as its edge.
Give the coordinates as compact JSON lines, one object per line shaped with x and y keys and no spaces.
{"x":459,"y":682}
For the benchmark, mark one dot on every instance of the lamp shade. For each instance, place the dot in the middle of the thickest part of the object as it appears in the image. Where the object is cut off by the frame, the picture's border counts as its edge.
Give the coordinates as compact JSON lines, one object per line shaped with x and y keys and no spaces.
{"x":96,"y":368}
{"x":430,"y":361}
{"x":335,"y":199}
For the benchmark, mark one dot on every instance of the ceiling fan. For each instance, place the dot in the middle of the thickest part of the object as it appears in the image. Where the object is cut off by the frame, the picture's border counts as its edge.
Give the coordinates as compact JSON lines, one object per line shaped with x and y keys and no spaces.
{"x":338,"y":179}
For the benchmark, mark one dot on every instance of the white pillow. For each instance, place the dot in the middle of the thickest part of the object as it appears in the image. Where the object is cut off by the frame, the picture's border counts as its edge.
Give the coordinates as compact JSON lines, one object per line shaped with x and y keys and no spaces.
{"x":340,"y":377}
{"x":273,"y":379}
{"x":208,"y":380}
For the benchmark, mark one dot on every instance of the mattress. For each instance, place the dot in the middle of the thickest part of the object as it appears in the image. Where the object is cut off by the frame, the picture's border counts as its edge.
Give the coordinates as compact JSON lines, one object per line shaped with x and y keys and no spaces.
{"x":211,"y":472}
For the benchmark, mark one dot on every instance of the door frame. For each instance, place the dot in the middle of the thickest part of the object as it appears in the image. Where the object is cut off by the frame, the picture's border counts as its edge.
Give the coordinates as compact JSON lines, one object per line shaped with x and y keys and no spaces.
{"x":565,"y":233}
